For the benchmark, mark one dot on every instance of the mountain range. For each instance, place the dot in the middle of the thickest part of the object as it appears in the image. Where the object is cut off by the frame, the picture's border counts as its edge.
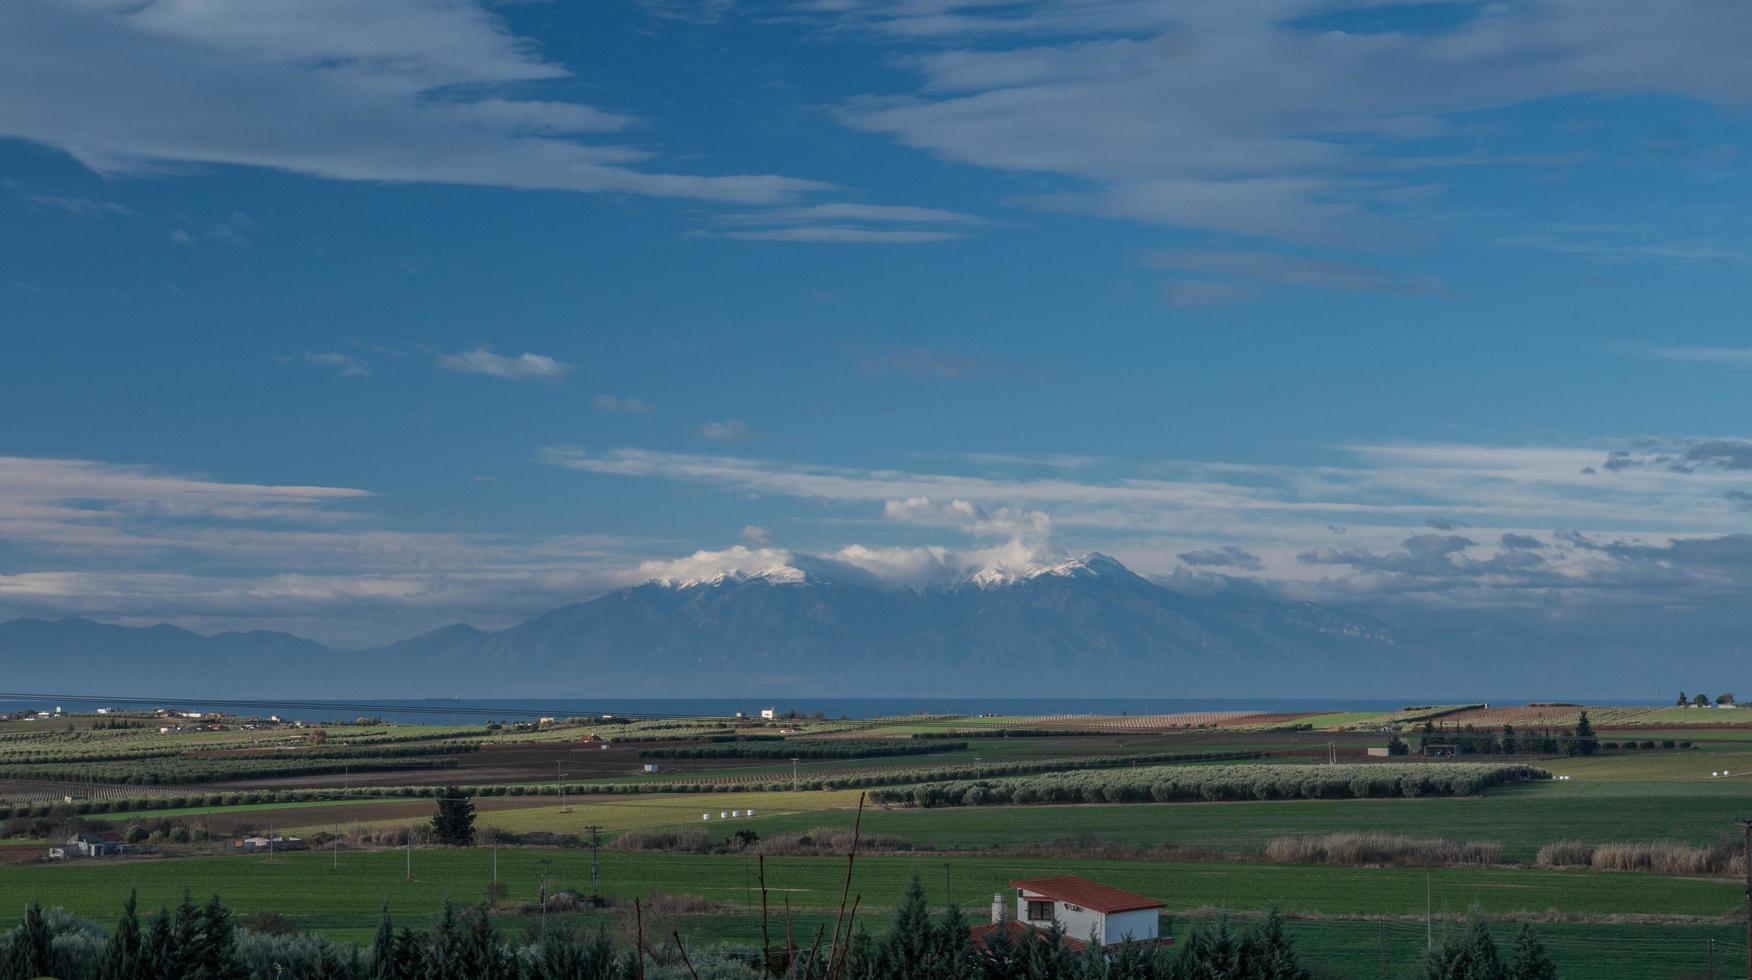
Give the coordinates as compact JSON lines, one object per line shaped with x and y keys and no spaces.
{"x":1086,"y":627}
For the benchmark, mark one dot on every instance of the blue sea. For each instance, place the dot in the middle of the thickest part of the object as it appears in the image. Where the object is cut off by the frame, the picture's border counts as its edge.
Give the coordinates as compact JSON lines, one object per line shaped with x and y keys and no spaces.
{"x":465,"y":710}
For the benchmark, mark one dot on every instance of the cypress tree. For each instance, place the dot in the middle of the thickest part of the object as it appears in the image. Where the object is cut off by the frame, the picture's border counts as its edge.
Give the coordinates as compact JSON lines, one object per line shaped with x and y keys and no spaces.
{"x":121,"y":955}
{"x":950,"y":954}
{"x":1270,"y":954}
{"x":444,"y":952}
{"x":158,"y":959}
{"x":1586,"y":743}
{"x":1530,"y":961}
{"x":32,"y":945}
{"x":454,"y":821}
{"x":384,"y":965}
{"x":1471,"y":955}
{"x":212,"y":950}
{"x":908,"y":947}
{"x":1212,"y":953}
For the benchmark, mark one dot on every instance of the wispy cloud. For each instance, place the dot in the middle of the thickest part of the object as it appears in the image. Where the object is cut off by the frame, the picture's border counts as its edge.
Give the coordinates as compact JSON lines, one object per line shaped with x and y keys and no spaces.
{"x":837,"y":235}
{"x":399,"y":91}
{"x":346,"y":365}
{"x":619,"y":406}
{"x":79,"y":204}
{"x":1731,"y":356}
{"x":522,"y":367}
{"x":1286,"y":270}
{"x":1323,"y":115}
{"x":929,"y":363}
{"x":726,"y":430}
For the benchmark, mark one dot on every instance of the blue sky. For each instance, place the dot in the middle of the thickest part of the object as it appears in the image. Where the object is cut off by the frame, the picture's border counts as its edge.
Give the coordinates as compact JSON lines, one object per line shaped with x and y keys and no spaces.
{"x":359,"y":324}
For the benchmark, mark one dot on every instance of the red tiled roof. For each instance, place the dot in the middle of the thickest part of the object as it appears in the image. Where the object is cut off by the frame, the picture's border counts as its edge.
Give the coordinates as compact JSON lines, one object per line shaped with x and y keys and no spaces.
{"x":1091,"y":895}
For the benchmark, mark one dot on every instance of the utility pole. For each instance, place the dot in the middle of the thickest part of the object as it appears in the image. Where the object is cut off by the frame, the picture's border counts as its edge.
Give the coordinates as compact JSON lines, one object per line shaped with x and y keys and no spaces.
{"x":495,"y":862}
{"x":544,"y":898}
{"x":408,"y":849}
{"x":794,"y":774}
{"x":1383,"y":951}
{"x":595,"y":879}
{"x":560,"y":785}
{"x":1746,"y":827}
{"x":948,"y":883}
{"x":1429,"y":915}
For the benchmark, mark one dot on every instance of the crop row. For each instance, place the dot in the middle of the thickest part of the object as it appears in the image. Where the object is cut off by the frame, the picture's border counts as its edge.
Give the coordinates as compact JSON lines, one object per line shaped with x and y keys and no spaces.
{"x":211,"y":769}
{"x":854,"y":780}
{"x":1162,"y":784}
{"x":801,"y":750}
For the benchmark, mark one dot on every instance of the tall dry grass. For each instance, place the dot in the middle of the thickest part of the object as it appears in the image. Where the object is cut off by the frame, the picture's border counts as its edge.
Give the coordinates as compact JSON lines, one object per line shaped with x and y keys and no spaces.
{"x":1378,"y":849}
{"x":1724,"y":857}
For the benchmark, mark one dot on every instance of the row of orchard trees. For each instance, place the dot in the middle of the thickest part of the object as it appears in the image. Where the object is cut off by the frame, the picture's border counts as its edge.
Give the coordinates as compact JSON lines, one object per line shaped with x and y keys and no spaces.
{"x":203,"y":942}
{"x":1172,"y":784}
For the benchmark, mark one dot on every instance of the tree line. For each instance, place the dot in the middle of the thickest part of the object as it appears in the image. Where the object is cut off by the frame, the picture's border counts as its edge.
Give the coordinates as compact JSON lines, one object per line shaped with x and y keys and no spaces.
{"x":204,"y":942}
{"x":801,"y":750}
{"x":1169,"y":784}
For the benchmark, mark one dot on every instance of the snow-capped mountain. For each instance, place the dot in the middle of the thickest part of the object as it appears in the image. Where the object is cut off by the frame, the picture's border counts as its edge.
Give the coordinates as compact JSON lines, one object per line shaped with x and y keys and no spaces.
{"x":1086,"y":624}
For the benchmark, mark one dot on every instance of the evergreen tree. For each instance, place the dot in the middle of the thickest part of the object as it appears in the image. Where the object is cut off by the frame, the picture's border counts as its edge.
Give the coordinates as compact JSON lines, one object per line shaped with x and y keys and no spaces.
{"x":483,"y":958}
{"x":1270,"y":954}
{"x":908,"y":946}
{"x":454,"y":821}
{"x":1212,"y":953}
{"x":122,"y":954}
{"x":1511,"y":743}
{"x":32,"y":946}
{"x":1471,"y":955}
{"x":951,"y":954}
{"x":1586,"y":742}
{"x":158,"y":957}
{"x":383,"y":950}
{"x":445,"y":947}
{"x":1530,"y":961}
{"x":212,"y":950}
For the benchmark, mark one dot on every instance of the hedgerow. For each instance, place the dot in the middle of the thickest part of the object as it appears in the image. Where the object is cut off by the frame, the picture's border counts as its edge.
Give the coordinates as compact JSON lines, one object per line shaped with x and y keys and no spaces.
{"x":801,"y":750}
{"x":1164,"y":784}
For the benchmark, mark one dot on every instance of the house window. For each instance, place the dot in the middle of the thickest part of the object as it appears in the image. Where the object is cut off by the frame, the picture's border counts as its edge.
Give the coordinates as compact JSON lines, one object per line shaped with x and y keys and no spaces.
{"x":1039,"y":911}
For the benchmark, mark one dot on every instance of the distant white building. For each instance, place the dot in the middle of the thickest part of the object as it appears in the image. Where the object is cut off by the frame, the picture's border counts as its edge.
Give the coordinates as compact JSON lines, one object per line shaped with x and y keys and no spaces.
{"x":769,"y":713}
{"x":1087,"y":911}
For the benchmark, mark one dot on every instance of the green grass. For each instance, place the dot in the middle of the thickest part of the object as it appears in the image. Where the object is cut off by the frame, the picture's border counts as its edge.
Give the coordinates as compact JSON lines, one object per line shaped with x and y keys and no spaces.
{"x":1338,"y":904}
{"x":1521,"y":818}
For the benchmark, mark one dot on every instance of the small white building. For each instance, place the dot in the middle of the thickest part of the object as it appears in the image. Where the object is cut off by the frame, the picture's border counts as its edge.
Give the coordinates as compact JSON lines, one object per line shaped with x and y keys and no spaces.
{"x":768,"y":714}
{"x":1086,"y":910}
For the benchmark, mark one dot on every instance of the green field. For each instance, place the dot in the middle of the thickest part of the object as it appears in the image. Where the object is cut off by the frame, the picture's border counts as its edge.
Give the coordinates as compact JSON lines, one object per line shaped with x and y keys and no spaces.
{"x":1596,"y":923}
{"x":343,"y":901}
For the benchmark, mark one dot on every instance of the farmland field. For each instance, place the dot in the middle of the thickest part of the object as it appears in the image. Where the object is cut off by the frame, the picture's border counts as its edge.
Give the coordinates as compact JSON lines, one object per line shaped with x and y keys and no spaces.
{"x":1196,"y":856}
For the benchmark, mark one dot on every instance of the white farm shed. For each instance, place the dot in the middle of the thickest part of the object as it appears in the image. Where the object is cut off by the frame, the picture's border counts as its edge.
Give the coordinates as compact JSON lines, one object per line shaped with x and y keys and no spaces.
{"x":1086,"y":910}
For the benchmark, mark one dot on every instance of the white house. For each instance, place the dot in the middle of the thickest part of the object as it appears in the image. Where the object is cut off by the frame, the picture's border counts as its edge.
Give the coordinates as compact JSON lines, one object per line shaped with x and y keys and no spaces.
{"x":769,"y":714}
{"x":1086,"y":910}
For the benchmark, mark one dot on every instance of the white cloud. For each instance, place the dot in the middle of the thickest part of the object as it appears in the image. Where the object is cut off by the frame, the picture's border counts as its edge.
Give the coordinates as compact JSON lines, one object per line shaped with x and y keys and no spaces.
{"x":1317,"y":130}
{"x":1732,"y":356}
{"x":619,"y":406}
{"x":838,"y":234}
{"x":1288,"y":270}
{"x":523,"y":367}
{"x":704,"y":565}
{"x":394,"y":90}
{"x":846,"y":211}
{"x":756,"y":536}
{"x":346,"y":365}
{"x":727,"y":430}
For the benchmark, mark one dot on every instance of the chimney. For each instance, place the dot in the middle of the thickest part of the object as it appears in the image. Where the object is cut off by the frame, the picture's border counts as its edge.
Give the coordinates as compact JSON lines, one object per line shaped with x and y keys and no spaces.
{"x":997,"y":907}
